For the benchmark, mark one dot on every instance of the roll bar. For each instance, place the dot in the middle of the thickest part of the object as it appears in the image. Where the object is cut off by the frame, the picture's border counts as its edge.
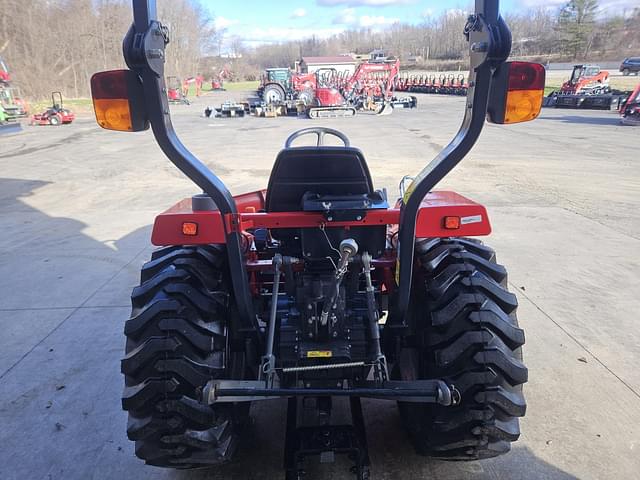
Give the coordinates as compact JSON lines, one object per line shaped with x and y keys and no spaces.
{"x":144,"y":51}
{"x":489,"y":46}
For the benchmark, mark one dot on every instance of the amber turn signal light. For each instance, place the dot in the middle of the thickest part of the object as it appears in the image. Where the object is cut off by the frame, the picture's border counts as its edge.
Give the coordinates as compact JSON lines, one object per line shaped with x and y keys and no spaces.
{"x":113,"y":114}
{"x":452,"y":223}
{"x":517,"y":92}
{"x":190,"y":229}
{"x":118,"y":101}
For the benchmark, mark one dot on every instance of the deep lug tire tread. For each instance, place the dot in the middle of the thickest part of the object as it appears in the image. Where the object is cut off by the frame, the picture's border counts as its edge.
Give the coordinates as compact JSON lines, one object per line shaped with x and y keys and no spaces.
{"x":175,"y":344}
{"x":469,"y":336}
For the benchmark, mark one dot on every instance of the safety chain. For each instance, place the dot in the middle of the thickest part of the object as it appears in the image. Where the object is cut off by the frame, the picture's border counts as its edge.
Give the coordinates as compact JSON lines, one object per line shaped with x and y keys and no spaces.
{"x":472,"y":24}
{"x":164,"y":30}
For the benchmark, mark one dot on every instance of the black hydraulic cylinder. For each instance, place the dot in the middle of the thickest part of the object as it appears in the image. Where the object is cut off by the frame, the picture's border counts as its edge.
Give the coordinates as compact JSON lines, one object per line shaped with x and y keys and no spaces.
{"x":372,"y":308}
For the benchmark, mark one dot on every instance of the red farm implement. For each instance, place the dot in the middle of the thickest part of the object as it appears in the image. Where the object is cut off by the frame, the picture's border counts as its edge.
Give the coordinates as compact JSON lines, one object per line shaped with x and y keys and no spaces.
{"x":444,"y":84}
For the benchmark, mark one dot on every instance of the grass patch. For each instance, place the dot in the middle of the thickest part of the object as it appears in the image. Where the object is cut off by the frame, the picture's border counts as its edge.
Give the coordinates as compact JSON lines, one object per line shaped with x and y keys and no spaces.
{"x":617,"y":82}
{"x":229,"y":86}
{"x":80,"y":104}
{"x":550,"y":88}
{"x":237,"y":86}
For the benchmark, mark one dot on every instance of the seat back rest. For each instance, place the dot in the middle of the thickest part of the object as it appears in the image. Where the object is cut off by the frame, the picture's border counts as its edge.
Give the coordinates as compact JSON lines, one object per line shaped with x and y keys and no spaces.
{"x":323,"y":170}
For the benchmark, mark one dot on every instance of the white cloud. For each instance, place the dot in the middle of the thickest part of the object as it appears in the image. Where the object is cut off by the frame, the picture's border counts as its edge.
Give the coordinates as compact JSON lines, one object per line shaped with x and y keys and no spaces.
{"x":377,"y":20}
{"x":346,"y":17}
{"x":299,"y":13}
{"x":608,"y":7}
{"x":262,"y":35}
{"x":427,"y":12}
{"x":455,"y":12}
{"x":221,"y":23}
{"x":362,"y":3}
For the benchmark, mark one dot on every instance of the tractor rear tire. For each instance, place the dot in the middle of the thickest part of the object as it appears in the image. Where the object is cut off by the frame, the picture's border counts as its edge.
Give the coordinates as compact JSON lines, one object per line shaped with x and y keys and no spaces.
{"x":176,"y":342}
{"x":307,"y":97}
{"x":273,"y":93}
{"x":55,"y":120}
{"x":467,"y":334}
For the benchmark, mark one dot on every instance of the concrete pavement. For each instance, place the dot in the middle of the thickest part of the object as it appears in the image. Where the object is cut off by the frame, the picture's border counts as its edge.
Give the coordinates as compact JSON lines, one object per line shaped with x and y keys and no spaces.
{"x":76,"y":205}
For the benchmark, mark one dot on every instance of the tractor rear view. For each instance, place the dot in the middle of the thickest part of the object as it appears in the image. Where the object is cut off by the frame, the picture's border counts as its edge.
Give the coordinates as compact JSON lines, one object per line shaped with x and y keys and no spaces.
{"x":320,"y":286}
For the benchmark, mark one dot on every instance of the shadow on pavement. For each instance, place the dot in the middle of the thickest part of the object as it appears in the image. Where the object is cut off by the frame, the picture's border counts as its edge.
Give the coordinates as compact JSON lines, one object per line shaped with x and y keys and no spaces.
{"x":47,"y":427}
{"x":260,"y":455}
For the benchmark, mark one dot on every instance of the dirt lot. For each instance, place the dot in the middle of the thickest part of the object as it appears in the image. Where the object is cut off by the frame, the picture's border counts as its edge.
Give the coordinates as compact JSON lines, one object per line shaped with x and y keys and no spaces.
{"x":76,"y":205}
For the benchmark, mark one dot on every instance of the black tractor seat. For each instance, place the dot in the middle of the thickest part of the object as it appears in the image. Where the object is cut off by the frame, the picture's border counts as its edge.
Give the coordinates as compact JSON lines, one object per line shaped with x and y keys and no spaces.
{"x":311,"y":177}
{"x":323,"y":170}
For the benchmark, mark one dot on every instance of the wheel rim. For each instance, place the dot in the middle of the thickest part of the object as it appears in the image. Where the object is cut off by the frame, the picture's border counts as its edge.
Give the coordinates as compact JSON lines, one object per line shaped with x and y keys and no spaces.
{"x":272,"y":95}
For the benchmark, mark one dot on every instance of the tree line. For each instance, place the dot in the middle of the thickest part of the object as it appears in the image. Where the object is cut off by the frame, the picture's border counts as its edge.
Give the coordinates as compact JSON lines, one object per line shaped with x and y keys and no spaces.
{"x":59,"y":44}
{"x":575,"y":32}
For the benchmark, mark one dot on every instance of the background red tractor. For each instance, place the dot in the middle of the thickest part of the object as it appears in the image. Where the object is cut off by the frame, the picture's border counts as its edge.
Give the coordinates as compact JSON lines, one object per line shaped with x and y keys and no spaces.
{"x":54,"y":115}
{"x":217,"y":82}
{"x":175,"y":93}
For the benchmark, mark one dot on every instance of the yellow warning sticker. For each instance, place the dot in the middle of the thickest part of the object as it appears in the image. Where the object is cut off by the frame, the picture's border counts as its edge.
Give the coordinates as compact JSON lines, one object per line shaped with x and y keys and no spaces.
{"x":319,"y":354}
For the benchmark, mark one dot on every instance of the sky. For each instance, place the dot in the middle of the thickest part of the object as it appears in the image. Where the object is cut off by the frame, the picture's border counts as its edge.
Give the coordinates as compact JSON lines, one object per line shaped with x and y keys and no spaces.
{"x":267,"y":21}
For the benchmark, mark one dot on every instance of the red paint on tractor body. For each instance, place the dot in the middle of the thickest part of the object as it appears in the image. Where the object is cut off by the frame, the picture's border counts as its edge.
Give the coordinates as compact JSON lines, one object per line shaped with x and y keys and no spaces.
{"x":212,"y":226}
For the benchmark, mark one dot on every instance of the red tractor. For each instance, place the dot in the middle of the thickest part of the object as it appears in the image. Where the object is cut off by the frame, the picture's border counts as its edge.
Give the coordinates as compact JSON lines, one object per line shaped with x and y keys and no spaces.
{"x":330,"y":93}
{"x":217,"y":82}
{"x":369,"y":88}
{"x":318,"y":287}
{"x":586,"y":80}
{"x":277,"y":85}
{"x":54,"y":115}
{"x":175,"y":94}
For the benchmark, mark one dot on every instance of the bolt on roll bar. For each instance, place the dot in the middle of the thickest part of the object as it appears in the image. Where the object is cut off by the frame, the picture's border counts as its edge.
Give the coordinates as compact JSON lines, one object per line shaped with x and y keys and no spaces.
{"x":144,"y":52}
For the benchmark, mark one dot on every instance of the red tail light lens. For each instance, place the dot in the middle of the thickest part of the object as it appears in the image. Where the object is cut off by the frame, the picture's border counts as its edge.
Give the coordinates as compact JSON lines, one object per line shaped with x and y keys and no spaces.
{"x":526,"y":76}
{"x":109,"y":85}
